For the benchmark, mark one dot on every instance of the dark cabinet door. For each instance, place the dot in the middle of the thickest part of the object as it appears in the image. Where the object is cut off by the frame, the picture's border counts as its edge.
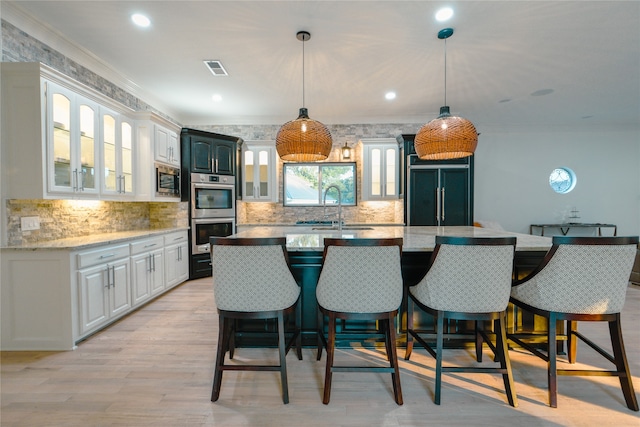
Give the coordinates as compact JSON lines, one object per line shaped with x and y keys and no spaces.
{"x":439,"y":197}
{"x":201,"y":155}
{"x":224,"y":157}
{"x":423,"y":186}
{"x":454,"y":197}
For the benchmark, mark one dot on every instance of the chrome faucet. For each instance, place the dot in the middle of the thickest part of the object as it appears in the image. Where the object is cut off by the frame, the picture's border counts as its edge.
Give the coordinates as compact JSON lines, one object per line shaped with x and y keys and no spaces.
{"x":324,"y":203}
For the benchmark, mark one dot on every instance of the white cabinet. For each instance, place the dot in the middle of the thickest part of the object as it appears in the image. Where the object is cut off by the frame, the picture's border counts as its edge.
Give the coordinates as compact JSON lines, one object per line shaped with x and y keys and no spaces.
{"x":166,"y":147}
{"x":380,"y":180}
{"x":61,"y":139}
{"x":72,"y":152}
{"x":259,"y":178}
{"x":176,"y":258}
{"x":53,"y":297}
{"x":117,"y":155}
{"x":147,"y":269}
{"x":104,"y":285}
{"x":157,"y":142}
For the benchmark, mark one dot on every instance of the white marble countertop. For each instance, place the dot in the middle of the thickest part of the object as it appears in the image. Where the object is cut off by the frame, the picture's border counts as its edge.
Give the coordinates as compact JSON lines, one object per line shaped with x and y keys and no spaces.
{"x":416,"y":238}
{"x":85,"y":242}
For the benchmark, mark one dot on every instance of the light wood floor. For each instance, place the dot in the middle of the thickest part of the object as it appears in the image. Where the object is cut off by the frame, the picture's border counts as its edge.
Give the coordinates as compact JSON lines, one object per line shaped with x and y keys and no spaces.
{"x":155,"y":368}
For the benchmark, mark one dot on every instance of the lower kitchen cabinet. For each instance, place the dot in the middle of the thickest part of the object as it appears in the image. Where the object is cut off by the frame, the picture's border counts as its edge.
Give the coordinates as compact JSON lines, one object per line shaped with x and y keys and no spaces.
{"x":176,"y":258}
{"x":52,"y":297}
{"x":147,"y":268}
{"x":104,"y":293}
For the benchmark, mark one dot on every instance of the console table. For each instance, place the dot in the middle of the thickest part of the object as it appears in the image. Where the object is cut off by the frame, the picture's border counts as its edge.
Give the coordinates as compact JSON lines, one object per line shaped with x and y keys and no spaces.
{"x":564,"y":228}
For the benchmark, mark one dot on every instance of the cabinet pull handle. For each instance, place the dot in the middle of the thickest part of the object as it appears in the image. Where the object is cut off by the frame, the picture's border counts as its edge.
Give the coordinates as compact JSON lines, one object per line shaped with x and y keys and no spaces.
{"x":113,"y":275}
{"x":150,"y":245}
{"x":178,"y":238}
{"x":108,"y":277}
{"x":107,"y":256}
{"x":443,"y":204}
{"x":153,"y":261}
{"x":438,"y":206}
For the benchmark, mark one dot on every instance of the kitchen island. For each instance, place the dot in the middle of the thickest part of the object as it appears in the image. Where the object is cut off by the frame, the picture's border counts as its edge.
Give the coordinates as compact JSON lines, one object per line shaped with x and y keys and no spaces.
{"x":306,"y":243}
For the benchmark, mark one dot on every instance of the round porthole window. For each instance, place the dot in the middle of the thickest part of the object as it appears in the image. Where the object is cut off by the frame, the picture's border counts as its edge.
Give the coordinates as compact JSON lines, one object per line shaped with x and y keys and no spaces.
{"x":562,"y":180}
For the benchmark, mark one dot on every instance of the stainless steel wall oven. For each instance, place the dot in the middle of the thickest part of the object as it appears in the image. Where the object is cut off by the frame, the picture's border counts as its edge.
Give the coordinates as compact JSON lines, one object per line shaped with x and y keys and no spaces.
{"x":213,"y":196}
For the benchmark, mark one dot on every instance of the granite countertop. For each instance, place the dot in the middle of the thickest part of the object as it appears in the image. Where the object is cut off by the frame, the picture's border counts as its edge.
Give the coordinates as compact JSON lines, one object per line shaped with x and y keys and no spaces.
{"x":85,"y":242}
{"x":416,"y":238}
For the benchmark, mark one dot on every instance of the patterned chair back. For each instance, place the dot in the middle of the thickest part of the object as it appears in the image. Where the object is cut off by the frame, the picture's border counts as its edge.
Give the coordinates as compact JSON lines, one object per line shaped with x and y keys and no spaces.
{"x":471,"y":275}
{"x":361,"y":275}
{"x":252,"y":275}
{"x":582,"y":275}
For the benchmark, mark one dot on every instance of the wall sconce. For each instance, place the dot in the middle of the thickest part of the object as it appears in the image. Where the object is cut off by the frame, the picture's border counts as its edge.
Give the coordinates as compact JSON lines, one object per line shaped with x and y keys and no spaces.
{"x":346,"y":152}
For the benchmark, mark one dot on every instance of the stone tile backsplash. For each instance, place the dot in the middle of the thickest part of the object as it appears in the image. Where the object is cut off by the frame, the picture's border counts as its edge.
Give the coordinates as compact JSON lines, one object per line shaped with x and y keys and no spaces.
{"x":60,"y":219}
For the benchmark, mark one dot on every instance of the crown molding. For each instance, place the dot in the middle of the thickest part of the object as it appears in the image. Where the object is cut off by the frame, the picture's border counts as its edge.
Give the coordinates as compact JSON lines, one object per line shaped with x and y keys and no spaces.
{"x":11,"y":12}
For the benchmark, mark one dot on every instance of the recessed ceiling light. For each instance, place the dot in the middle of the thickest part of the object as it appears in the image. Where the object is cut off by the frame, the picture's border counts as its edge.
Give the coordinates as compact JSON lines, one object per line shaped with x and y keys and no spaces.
{"x":444,"y":14}
{"x":140,"y":20}
{"x":390,"y":95}
{"x":217,"y":98}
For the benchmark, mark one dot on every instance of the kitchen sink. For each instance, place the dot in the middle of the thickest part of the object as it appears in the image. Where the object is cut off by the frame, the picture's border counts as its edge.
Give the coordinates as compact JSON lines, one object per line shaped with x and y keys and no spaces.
{"x":343,"y":228}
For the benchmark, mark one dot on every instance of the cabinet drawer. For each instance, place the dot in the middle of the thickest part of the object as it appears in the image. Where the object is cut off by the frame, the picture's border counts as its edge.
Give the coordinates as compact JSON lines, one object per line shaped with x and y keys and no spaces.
{"x":177,"y":237}
{"x":102,"y":255}
{"x":146,"y":245}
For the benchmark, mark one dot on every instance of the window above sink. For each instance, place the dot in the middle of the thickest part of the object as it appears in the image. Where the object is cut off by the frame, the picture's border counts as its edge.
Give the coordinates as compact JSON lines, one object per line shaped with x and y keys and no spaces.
{"x":305,"y":183}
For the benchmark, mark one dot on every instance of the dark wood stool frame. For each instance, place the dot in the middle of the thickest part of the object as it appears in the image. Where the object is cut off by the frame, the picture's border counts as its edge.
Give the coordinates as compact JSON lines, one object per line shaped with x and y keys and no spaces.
{"x":386,"y":323}
{"x":500,"y":349}
{"x":227,"y":320}
{"x":619,"y":357}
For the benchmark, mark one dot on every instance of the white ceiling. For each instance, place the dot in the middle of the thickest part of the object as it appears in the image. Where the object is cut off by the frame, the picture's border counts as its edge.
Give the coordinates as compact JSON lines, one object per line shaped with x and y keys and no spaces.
{"x":502,"y":53}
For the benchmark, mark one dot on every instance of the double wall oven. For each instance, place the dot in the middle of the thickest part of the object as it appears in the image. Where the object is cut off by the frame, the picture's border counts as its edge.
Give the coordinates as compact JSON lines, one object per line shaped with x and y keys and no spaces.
{"x":213,"y":213}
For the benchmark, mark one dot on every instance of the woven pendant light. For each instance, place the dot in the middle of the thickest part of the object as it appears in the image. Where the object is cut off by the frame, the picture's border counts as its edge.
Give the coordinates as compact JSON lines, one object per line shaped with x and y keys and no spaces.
{"x":446,"y":136}
{"x":303,"y":139}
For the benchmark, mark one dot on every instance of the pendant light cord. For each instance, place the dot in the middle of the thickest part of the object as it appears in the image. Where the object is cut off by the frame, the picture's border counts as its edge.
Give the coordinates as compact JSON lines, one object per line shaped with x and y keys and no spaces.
{"x":445,"y":71}
{"x":303,"y":42}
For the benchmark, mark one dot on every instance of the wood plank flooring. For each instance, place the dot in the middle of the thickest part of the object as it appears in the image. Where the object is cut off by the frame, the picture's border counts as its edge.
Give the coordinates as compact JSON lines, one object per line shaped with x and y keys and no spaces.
{"x":155,"y":368}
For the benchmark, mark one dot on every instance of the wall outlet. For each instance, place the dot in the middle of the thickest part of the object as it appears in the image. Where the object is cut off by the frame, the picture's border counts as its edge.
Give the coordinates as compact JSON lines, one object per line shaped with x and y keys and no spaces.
{"x":28,"y":223}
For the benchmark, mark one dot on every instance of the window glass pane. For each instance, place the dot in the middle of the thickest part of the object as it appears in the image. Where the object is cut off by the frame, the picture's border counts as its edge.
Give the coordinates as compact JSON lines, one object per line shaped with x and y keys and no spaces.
{"x":305,"y":183}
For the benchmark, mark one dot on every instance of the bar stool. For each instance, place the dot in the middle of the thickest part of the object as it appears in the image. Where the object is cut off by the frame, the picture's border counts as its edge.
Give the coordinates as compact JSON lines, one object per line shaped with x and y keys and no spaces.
{"x":252,"y":280}
{"x":580,"y":279}
{"x":361,"y":279}
{"x":468,"y":279}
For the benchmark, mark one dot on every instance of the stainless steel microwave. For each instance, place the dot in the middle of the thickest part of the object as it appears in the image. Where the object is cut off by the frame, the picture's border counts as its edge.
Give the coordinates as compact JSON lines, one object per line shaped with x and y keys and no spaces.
{"x":167,"y":181}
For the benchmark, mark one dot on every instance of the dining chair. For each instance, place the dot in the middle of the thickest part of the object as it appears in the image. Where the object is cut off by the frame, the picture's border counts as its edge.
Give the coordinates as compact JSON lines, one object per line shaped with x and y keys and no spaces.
{"x":252,"y":279}
{"x":361,"y":279}
{"x":581,"y":279}
{"x":468,"y":279}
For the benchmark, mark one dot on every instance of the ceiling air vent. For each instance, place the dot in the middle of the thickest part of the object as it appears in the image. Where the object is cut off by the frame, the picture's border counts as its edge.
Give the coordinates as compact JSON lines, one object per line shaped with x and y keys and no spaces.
{"x":216,"y":68}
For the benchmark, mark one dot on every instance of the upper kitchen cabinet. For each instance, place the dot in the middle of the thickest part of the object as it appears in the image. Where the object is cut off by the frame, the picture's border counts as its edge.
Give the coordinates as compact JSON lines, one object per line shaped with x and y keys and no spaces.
{"x":117,"y":156}
{"x":59,"y":131}
{"x":381,"y":171}
{"x":206,"y":152}
{"x":157,"y":148}
{"x":165,"y":145}
{"x":72,"y":152}
{"x":259,"y":171}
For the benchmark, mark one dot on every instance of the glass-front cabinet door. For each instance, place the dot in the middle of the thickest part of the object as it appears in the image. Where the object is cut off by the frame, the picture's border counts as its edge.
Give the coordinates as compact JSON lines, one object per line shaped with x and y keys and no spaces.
{"x":71,"y":131}
{"x":259,"y":177}
{"x":110,"y":178}
{"x":117,"y":155}
{"x":381,"y":172}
